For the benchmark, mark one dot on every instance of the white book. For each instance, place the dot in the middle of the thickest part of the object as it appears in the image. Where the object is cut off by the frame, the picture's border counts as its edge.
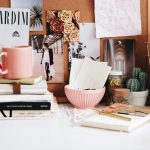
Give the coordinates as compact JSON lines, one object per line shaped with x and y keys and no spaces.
{"x":37,"y":88}
{"x":31,"y":114}
{"x":20,"y":114}
{"x":96,"y":120}
{"x":30,"y":97}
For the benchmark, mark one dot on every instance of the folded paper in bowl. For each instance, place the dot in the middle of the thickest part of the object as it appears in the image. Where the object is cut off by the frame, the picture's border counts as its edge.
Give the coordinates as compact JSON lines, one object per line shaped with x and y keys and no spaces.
{"x":88,"y":74}
{"x":87,"y":82}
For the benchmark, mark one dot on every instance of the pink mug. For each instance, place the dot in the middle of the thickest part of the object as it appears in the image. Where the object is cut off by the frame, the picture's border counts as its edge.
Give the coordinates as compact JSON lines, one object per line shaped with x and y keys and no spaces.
{"x":16,"y":62}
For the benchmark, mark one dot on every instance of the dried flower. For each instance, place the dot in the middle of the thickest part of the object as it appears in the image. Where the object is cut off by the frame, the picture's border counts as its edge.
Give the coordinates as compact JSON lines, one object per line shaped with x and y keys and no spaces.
{"x":56,"y":25}
{"x":50,"y":15}
{"x":68,"y":27}
{"x":76,"y":15}
{"x":65,"y":16}
{"x":74,"y":36}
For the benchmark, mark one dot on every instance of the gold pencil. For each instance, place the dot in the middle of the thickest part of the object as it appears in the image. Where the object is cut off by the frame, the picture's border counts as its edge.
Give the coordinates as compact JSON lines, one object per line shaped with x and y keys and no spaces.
{"x":113,"y":115}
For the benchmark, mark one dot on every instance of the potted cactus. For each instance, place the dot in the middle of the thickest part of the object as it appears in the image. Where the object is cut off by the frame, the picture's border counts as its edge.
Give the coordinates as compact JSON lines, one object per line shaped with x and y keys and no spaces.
{"x":138,"y":87}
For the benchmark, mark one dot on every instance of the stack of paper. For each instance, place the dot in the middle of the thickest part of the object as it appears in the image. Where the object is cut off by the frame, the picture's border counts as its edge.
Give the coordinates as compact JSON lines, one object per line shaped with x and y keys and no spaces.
{"x":88,"y":74}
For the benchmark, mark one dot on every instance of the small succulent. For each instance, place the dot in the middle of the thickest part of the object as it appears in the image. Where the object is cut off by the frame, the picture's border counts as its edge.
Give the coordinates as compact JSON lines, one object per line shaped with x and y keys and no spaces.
{"x":136,"y":72}
{"x":139,"y":80}
{"x":133,"y":84}
{"x":143,"y":80}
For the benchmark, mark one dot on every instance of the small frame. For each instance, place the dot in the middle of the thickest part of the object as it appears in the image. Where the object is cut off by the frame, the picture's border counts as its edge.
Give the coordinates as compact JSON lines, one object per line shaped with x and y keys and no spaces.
{"x":120,"y":55}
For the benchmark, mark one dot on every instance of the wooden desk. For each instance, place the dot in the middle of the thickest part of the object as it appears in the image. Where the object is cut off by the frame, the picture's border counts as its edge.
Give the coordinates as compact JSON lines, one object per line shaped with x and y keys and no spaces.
{"x":58,"y":134}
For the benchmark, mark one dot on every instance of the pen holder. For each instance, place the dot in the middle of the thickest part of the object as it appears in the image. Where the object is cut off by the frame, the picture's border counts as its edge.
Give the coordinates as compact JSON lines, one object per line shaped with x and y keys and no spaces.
{"x":84,"y":98}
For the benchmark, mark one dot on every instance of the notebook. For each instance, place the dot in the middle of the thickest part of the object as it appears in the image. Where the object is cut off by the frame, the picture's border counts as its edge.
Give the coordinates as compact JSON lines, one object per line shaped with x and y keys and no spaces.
{"x":93,"y":119}
{"x":31,"y":80}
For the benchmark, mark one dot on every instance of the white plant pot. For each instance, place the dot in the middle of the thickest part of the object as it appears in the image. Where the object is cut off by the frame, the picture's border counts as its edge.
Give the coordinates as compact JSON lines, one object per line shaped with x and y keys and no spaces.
{"x":139,"y":98}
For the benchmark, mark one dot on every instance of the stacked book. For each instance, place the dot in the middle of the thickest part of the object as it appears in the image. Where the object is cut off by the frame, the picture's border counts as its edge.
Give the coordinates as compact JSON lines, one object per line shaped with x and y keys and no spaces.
{"x":33,"y":100}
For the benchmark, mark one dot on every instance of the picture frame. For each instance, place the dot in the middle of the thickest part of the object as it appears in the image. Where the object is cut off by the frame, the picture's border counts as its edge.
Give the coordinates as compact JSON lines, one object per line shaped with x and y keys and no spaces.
{"x":54,"y":72}
{"x":120,"y":54}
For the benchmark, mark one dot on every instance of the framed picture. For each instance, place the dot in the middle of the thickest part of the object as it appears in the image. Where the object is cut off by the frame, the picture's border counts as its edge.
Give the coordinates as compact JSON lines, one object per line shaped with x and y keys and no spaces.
{"x":120,"y":55}
{"x":48,"y":57}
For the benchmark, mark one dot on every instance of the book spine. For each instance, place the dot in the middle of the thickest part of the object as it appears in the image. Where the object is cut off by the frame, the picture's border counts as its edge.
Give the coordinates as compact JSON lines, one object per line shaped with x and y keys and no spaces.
{"x":25,"y":106}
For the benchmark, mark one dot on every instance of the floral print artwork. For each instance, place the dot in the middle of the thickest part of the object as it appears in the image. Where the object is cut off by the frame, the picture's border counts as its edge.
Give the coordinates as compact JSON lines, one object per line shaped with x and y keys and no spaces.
{"x":65,"y":22}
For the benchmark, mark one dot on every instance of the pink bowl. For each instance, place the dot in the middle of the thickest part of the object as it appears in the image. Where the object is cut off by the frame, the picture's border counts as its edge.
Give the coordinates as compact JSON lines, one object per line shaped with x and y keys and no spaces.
{"x":84,"y":98}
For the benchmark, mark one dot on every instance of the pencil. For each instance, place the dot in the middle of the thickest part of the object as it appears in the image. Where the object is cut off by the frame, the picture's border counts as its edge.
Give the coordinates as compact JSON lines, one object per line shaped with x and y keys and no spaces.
{"x":113,"y":115}
{"x":116,"y":116}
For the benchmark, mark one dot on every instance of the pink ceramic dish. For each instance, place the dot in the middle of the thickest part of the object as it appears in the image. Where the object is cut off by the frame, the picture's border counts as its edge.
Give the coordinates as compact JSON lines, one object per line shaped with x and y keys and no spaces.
{"x":84,"y":98}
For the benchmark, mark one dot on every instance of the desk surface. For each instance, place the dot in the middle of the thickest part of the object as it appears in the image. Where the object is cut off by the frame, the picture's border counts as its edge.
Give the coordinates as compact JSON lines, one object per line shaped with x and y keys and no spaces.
{"x":59,"y":134}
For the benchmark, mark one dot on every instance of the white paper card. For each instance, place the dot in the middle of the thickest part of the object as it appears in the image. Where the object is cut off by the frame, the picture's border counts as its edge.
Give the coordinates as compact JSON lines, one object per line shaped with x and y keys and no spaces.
{"x":117,"y":18}
{"x":14,"y":27}
{"x":91,"y":75}
{"x":75,"y":68}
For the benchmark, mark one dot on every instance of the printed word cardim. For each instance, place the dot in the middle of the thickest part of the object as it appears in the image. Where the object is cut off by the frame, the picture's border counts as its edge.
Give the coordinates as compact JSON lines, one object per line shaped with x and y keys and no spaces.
{"x":14,"y":17}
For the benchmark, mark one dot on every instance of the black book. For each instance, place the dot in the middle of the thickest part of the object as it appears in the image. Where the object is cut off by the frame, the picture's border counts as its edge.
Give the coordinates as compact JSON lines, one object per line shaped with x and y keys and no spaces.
{"x":25,"y":106}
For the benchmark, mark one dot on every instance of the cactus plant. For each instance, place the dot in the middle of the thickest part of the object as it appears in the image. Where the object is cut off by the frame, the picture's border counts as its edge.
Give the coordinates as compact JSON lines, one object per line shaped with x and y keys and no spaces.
{"x":143,"y":81}
{"x":136,"y":72}
{"x":138,"y":87}
{"x":139,"y":80}
{"x":133,"y":84}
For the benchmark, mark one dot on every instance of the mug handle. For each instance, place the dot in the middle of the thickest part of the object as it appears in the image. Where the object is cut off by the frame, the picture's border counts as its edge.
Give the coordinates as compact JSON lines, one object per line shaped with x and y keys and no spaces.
{"x":6,"y":70}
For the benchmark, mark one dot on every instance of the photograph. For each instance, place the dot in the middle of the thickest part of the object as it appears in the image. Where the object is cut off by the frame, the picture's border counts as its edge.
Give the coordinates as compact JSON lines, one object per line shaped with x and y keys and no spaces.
{"x":48,"y":58}
{"x":35,"y":6}
{"x":120,"y":55}
{"x":65,"y":22}
{"x":88,"y":45}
